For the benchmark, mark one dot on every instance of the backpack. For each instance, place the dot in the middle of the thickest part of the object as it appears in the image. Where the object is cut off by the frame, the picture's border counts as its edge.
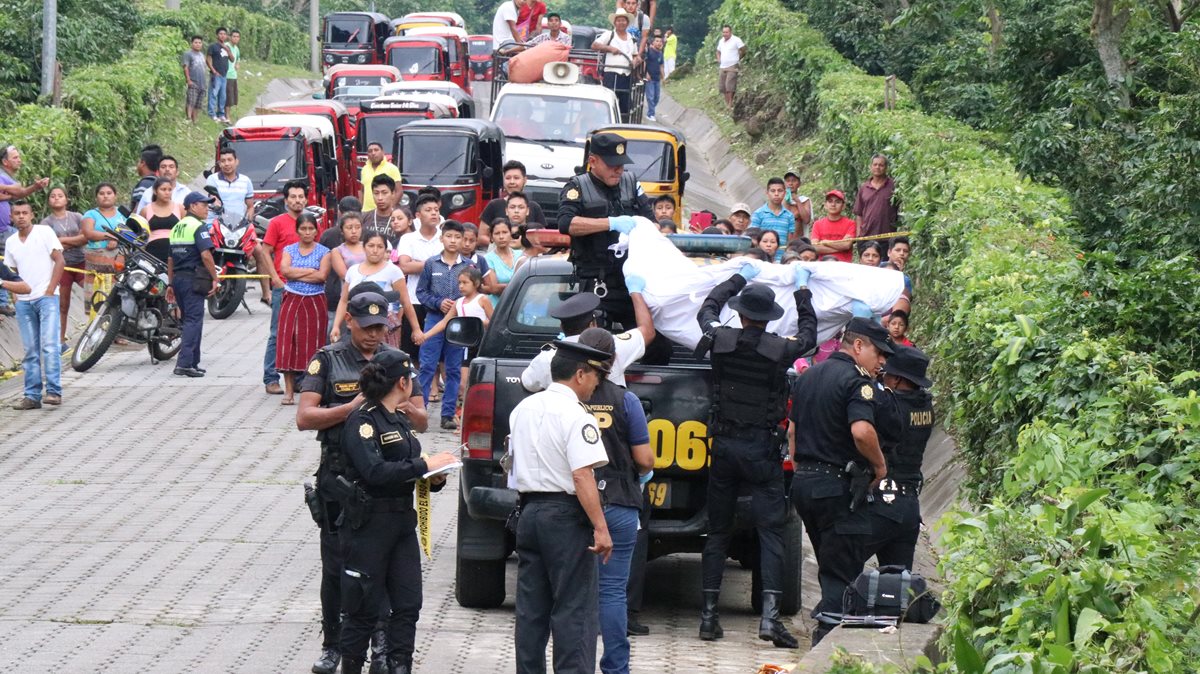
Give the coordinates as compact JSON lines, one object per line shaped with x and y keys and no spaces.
{"x":887,"y":595}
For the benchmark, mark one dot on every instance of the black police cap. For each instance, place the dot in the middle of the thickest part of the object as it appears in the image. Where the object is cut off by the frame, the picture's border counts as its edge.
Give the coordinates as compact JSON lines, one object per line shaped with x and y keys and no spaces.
{"x":576,"y":306}
{"x":582,"y":353}
{"x":396,"y":364}
{"x":610,"y":147}
{"x":872,"y":331}
{"x":909,"y":363}
{"x":368,"y":309}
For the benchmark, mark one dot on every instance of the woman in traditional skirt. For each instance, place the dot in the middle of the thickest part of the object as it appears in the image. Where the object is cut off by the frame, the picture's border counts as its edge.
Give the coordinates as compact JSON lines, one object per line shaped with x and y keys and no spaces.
{"x":303,"y":317}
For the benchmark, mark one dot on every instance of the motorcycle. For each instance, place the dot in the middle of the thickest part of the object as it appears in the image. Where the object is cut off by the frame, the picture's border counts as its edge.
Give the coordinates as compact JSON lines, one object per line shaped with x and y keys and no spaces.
{"x":230,"y":257}
{"x":136,"y":308}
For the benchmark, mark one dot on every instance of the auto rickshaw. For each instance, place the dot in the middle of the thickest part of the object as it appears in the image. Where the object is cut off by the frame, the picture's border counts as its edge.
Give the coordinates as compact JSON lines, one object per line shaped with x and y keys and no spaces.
{"x":380,"y":117}
{"x":461,"y":157}
{"x":343,"y":127}
{"x":479,"y":48}
{"x":351,"y":75}
{"x":451,"y":18}
{"x":353,"y":37}
{"x":401,"y":26}
{"x":458,"y":57}
{"x":425,"y":57}
{"x":659,"y":157}
{"x":466,"y":102}
{"x":274,"y":149}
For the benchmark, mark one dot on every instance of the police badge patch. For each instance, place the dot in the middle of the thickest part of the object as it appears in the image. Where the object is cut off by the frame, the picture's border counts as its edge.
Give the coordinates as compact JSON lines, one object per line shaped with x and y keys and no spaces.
{"x":366,"y":432}
{"x":590,"y":434}
{"x":314,"y":367}
{"x":866,"y":392}
{"x":572,"y":193}
{"x":373,"y":309}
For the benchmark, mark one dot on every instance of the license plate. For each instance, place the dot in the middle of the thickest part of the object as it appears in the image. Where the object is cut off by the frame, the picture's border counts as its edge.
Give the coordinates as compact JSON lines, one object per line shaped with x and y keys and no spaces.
{"x":660,"y":494}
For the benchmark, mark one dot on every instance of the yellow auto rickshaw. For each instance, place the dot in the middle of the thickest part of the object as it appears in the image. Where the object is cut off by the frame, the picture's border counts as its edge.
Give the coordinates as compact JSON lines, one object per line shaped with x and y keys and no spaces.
{"x":659,"y":156}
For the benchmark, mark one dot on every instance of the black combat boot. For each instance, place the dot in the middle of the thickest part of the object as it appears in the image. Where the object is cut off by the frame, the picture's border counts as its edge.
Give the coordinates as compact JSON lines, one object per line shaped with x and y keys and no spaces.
{"x":328,"y":662}
{"x":710,"y":622}
{"x":352,"y":664}
{"x":770,"y":628}
{"x":379,"y":657}
{"x":399,"y":665}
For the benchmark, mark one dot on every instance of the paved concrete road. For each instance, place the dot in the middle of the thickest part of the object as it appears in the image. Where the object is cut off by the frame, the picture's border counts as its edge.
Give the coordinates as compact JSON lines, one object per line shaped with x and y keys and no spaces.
{"x":156,"y":524}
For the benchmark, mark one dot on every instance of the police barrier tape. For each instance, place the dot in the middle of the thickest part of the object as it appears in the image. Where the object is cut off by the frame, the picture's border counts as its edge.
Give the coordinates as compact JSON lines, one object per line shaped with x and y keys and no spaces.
{"x":873,"y":237}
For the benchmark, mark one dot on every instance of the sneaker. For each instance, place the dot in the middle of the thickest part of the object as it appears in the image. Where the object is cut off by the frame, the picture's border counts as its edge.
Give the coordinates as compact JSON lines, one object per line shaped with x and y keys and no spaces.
{"x":274,"y":389}
{"x":634,"y":628}
{"x":448,"y":424}
{"x":52,"y":400}
{"x":31,"y":404}
{"x":65,"y":347}
{"x":651,"y":118}
{"x":188,"y":372}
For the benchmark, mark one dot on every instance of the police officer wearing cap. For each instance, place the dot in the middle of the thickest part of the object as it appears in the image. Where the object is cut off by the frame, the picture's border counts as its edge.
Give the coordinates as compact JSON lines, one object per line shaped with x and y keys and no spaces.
{"x":382,"y":557}
{"x":556,"y":446}
{"x":833,"y":410}
{"x":904,"y":419}
{"x":595,"y":208}
{"x":750,"y":391}
{"x":329,"y":392}
{"x":192,"y":275}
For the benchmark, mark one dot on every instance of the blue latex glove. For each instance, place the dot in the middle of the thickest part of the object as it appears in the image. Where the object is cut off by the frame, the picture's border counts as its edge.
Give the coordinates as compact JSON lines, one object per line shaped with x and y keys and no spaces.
{"x":643,"y":479}
{"x":622,"y":223}
{"x":748,"y":271}
{"x":861,"y":310}
{"x":635,"y":284}
{"x":802,"y":275}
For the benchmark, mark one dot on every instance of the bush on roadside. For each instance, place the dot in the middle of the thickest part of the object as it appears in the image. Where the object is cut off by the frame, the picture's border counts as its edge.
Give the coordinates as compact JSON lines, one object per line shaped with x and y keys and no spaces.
{"x":263,"y":38}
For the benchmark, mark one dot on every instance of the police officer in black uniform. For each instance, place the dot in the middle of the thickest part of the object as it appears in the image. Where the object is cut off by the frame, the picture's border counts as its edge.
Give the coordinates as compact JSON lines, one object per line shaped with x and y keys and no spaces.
{"x":750,"y":391}
{"x":904,"y":418}
{"x":592,"y":208}
{"x":328,"y":394}
{"x":834,"y":414}
{"x":381,"y":548}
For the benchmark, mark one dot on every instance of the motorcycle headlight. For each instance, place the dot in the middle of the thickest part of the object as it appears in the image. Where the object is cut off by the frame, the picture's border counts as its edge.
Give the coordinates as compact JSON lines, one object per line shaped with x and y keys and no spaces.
{"x":227,"y":235}
{"x":138,"y":280}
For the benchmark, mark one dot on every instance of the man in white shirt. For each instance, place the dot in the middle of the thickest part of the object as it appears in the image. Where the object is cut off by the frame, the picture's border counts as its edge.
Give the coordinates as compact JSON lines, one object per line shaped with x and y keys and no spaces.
{"x":730,"y":50}
{"x":622,"y":57}
{"x":168,"y":167}
{"x":35,"y":253}
{"x":412,"y":251}
{"x":556,"y":445}
{"x":504,"y":23}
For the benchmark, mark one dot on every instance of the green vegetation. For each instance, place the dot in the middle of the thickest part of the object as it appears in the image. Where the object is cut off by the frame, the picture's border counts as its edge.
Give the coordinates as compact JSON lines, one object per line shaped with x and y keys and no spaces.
{"x":263,"y":38}
{"x":1064,"y":375}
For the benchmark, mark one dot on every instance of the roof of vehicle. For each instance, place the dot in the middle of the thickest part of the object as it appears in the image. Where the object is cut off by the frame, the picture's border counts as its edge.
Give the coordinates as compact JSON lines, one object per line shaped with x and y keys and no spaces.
{"x":481,"y":127}
{"x":402,"y":25}
{"x":453,"y":16}
{"x":418,"y":40}
{"x":314,"y":126}
{"x":336,"y":107}
{"x":450,"y":89}
{"x":641,"y":131}
{"x":374,"y":16}
{"x":480,"y":37}
{"x":460,"y":33}
{"x":592,"y":92}
{"x":439,"y":104}
{"x":364,"y":69}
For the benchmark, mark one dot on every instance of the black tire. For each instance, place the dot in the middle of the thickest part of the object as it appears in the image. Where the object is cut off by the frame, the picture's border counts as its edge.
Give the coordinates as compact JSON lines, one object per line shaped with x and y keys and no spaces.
{"x":478,"y":583}
{"x":97,"y":337}
{"x":793,"y":556}
{"x":227,"y":299}
{"x":160,"y":351}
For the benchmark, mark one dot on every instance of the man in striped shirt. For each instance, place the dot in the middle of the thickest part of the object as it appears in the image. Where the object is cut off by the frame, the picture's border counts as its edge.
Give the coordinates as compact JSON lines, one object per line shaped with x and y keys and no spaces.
{"x":773,"y":216}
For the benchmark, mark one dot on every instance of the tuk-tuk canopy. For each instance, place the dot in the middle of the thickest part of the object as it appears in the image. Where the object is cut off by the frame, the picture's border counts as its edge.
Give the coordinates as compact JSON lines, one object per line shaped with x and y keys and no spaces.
{"x":451,"y":31}
{"x":345,"y":69}
{"x":442,"y":151}
{"x":437,"y":104}
{"x":335,"y":108}
{"x":454,"y":18}
{"x":466,"y":102}
{"x":313,"y":127}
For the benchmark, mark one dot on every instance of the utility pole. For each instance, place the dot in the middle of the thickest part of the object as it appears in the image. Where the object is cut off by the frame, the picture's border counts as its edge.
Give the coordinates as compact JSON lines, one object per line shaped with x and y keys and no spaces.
{"x":49,"y":46}
{"x":314,"y":26}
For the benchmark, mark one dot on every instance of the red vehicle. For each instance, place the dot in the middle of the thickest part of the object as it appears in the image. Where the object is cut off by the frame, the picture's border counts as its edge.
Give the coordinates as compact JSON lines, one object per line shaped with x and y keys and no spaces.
{"x":461,"y":157}
{"x":380,"y":117}
{"x":343,"y":129}
{"x":353,"y":37}
{"x":466,"y":102}
{"x":480,"y":50}
{"x":342,"y":76}
{"x":450,"y":18}
{"x":426,"y":57}
{"x":273,"y":149}
{"x":458,"y":56}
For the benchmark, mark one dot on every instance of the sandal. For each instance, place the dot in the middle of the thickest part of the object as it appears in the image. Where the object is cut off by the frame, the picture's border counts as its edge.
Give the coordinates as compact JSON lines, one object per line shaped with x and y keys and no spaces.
{"x":265,"y":301}
{"x":287,"y":401}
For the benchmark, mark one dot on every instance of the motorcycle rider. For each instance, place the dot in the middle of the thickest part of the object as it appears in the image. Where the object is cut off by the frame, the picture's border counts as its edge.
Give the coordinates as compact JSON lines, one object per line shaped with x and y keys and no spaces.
{"x":236,"y":192}
{"x":190,"y":270}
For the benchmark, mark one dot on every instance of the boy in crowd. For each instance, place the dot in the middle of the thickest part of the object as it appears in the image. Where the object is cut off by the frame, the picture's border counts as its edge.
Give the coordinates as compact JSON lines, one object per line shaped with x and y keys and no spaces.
{"x":437,"y":289}
{"x":470,"y":240}
{"x":664,"y":208}
{"x":828,"y":232}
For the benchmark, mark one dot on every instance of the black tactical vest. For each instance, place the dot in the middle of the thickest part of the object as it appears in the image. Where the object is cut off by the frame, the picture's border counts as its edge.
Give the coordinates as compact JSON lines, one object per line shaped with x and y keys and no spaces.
{"x":617,"y":481}
{"x":915,"y":409}
{"x":590,"y":254}
{"x":341,"y":386}
{"x":750,"y":384}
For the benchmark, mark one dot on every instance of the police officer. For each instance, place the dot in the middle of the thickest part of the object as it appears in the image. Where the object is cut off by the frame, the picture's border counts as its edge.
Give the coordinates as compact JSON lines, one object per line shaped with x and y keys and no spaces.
{"x":329,"y":393}
{"x":193,"y":276}
{"x":594,"y":208}
{"x":381,"y":551}
{"x":750,"y":390}
{"x":904,"y":418}
{"x":555,"y":446}
{"x":834,"y":414}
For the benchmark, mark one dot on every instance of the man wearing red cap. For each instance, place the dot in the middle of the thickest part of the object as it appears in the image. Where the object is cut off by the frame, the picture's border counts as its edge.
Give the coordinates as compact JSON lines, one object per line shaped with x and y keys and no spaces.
{"x":828,"y":232}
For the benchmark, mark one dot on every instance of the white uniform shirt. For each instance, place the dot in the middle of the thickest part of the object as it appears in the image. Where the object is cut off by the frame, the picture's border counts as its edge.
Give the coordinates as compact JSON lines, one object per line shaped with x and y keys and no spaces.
{"x":551,"y":436}
{"x":631,"y":346}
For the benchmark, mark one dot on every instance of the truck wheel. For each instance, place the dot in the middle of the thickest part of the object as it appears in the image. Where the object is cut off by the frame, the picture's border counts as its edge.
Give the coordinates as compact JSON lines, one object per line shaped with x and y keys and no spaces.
{"x":479,"y":583}
{"x":793,"y":554}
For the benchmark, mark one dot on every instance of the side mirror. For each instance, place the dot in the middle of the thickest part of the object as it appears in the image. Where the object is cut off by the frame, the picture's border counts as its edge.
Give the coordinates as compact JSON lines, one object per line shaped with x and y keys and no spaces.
{"x":686,"y":176}
{"x":464,"y":331}
{"x":488,"y":172}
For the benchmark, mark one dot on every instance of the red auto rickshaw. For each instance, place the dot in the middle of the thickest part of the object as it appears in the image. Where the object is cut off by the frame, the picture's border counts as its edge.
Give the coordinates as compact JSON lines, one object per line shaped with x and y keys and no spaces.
{"x":479,"y":48}
{"x":380,"y":117}
{"x":343,"y":128}
{"x":426,"y":57}
{"x":353,"y":37}
{"x":458,"y":57}
{"x":461,"y":157}
{"x":349,"y":75}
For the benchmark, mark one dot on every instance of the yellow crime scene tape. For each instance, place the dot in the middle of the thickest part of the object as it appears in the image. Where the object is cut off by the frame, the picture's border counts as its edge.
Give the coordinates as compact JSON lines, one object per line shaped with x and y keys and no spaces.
{"x":424,"y":518}
{"x":873,"y":237}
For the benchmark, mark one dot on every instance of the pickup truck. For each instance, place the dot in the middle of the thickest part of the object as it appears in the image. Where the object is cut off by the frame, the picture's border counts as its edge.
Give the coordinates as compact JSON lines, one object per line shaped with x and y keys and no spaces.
{"x":676,"y":397}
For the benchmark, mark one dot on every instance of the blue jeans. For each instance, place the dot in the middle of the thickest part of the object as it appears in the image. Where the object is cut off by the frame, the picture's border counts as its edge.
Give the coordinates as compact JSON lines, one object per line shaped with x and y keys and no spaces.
{"x":270,"y":375}
{"x":653,"y":91}
{"x":189,"y":295}
{"x":614,"y":576}
{"x":39,"y":323}
{"x":216,"y":95}
{"x":436,"y":349}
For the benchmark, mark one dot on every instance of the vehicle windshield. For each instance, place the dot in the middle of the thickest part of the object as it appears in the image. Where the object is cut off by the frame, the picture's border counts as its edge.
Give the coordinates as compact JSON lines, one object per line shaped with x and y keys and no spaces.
{"x":372,"y":81}
{"x":436,"y":158}
{"x":582,"y":39}
{"x":355,"y":94}
{"x":415,"y":60}
{"x":381,"y":128}
{"x":540,"y":295}
{"x":258,"y":159}
{"x":481,"y":47}
{"x":653,"y":160}
{"x":348,"y":30}
{"x":550,"y":118}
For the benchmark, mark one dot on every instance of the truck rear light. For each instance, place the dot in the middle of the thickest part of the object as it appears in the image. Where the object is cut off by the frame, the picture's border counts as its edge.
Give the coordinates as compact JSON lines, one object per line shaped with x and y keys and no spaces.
{"x":477,"y":420}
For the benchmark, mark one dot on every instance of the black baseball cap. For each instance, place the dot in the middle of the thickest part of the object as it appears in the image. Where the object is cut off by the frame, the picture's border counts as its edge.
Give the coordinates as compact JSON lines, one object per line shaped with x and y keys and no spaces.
{"x":909,"y":363}
{"x":396,"y":364}
{"x":368,"y":308}
{"x":582,"y":353}
{"x":757,"y":302}
{"x":874,"y":332}
{"x":611,"y":148}
{"x":576,"y":306}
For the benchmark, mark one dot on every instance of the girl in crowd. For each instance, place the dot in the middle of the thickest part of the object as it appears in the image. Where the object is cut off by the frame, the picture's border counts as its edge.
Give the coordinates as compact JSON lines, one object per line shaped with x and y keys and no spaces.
{"x":401,"y":222}
{"x":472,"y":303}
{"x":348,"y":253}
{"x":303,"y":316}
{"x":162,"y":214}
{"x":870,"y":253}
{"x":897,"y":325}
{"x":66,"y":225}
{"x":769,"y":242}
{"x":377,"y":269}
{"x":502,"y":260}
{"x":101,"y":252}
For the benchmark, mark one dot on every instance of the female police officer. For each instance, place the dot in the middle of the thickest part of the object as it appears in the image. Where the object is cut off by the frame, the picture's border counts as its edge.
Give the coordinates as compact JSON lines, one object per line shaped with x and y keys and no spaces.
{"x":381,"y":548}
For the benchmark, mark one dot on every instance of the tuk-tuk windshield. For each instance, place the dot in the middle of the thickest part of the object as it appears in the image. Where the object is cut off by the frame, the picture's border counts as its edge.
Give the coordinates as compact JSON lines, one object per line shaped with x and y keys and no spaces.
{"x":653,"y":160}
{"x":260,"y":161}
{"x":481,"y":47}
{"x":348,"y":30}
{"x":375,"y":81}
{"x":436,"y":158}
{"x":376,"y":128}
{"x":416,"y":60}
{"x":355,"y":94}
{"x":550,"y":118}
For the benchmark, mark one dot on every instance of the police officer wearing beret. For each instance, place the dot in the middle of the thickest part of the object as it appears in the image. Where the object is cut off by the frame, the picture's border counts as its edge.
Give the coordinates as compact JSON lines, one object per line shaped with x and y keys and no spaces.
{"x":382,"y":558}
{"x":750,"y":391}
{"x":904,"y":418}
{"x":833,"y":410}
{"x":192,"y":276}
{"x":594,"y":208}
{"x":555,"y":444}
{"x":329,"y":393}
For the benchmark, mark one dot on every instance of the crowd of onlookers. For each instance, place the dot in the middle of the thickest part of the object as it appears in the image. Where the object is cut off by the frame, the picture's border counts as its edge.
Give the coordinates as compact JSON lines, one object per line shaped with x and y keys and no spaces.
{"x":212,"y":75}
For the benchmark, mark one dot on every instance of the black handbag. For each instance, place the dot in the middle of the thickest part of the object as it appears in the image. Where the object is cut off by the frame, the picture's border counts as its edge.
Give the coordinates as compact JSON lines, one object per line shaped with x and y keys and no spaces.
{"x":887,"y":595}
